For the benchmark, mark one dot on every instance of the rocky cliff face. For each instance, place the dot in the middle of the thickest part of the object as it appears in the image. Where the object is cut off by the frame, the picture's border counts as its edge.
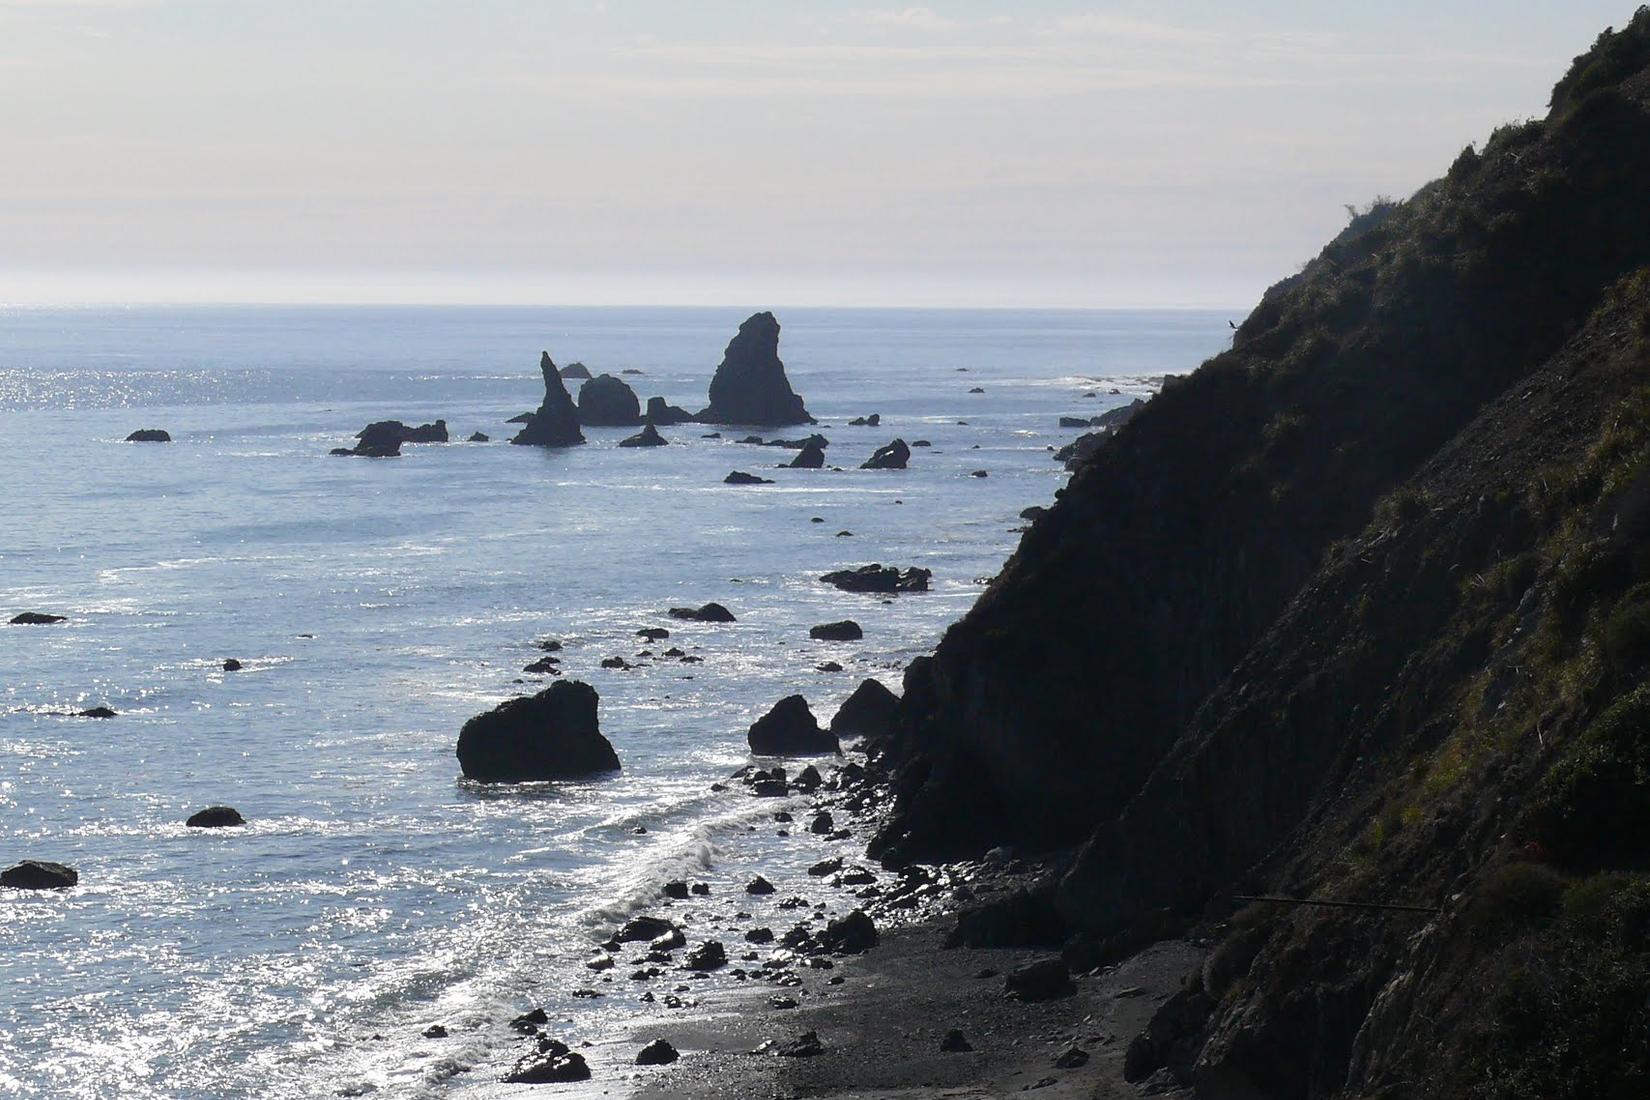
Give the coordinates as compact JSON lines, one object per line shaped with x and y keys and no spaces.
{"x":1359,"y":610}
{"x":750,"y":386}
{"x":556,"y":423}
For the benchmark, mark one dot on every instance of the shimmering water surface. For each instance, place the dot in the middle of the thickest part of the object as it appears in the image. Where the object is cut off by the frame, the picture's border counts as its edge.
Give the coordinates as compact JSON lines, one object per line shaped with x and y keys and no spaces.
{"x":378,"y":604}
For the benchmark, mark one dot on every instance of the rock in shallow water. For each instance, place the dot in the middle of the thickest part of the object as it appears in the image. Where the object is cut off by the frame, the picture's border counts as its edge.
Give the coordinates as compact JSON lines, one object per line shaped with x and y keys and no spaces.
{"x":879,"y":578}
{"x":845,"y":631}
{"x":892,"y":457}
{"x":556,"y":423}
{"x":790,"y":729}
{"x":709,"y":613}
{"x":215,"y":817}
{"x":149,"y":435}
{"x":750,"y":386}
{"x":36,"y":618}
{"x":551,"y":735}
{"x":39,"y":874}
{"x":740,"y":477}
{"x":606,"y":401}
{"x":556,"y":1063}
{"x":872,"y":711}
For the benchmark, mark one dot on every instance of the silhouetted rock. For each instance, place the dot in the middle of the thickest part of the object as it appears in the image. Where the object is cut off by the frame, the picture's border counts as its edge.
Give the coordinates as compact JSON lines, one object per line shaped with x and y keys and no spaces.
{"x":710,"y":955}
{"x":955,"y":1042}
{"x":811,"y":457}
{"x":750,"y":386}
{"x":608,"y":402}
{"x":708,"y":613}
{"x":921,"y":443}
{"x":872,"y":711}
{"x":739,"y":477}
{"x":807,"y":1045}
{"x":1116,"y":418}
{"x":892,"y":457}
{"x":556,"y":423}
{"x":657,"y":1053}
{"x":520,"y":418}
{"x":479,"y":437}
{"x":664,"y":415}
{"x":97,"y":712}
{"x":232,"y":665}
{"x":647,"y":437}
{"x":1073,"y":454}
{"x":644,"y":929}
{"x":815,"y":440}
{"x":879,"y":578}
{"x":551,"y":735}
{"x":853,"y":934}
{"x":866,"y":421}
{"x":790,"y":729}
{"x":759,"y":886}
{"x":576,"y":371}
{"x":37,"y":874}
{"x":215,"y":817}
{"x":384,"y":435}
{"x":149,"y":435}
{"x":845,"y":631}
{"x":36,"y":618}
{"x":554,"y":1063}
{"x":1044,"y":980}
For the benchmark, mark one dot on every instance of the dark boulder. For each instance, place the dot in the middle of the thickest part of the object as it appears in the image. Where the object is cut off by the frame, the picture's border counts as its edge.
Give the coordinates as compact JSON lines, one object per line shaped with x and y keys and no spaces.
{"x":1075,"y":422}
{"x":807,"y":1045}
{"x":544,"y":666}
{"x":710,"y":955}
{"x":822,"y":824}
{"x":480,"y":437}
{"x":551,"y":735}
{"x":759,"y":885}
{"x":892,"y":457}
{"x":872,"y":712}
{"x":97,"y":712}
{"x":38,"y":874}
{"x":709,"y":613}
{"x":866,"y":421}
{"x":665,"y":415}
{"x":608,"y":402}
{"x":648,"y":437}
{"x":576,"y":371}
{"x":215,"y":817}
{"x":845,"y":631}
{"x":36,"y":618}
{"x":790,"y":729}
{"x":654,"y":634}
{"x":955,"y":1042}
{"x":556,"y":423}
{"x":150,"y":435}
{"x":644,"y":929}
{"x":739,"y":477}
{"x":853,"y":934}
{"x":879,"y":578}
{"x":750,"y":386}
{"x":554,"y":1065}
{"x":384,"y":434}
{"x":657,"y":1053}
{"x":1044,"y":980}
{"x":232,"y":665}
{"x":676,"y":889}
{"x":811,"y":457}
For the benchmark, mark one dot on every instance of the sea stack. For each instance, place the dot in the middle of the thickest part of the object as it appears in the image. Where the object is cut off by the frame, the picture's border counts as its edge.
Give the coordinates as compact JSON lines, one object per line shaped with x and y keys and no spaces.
{"x":556,"y":423}
{"x":607,"y":402}
{"x":750,"y":386}
{"x":551,"y":735}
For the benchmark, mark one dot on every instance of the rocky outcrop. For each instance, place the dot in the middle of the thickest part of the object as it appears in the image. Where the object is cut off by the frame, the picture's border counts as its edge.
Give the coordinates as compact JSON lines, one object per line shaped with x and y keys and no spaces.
{"x":556,"y":423}
{"x":149,"y":435}
{"x":551,"y":735}
{"x":790,"y":729}
{"x":811,"y":457}
{"x":38,"y":874}
{"x":479,"y":437}
{"x":892,"y":457}
{"x":648,"y":437}
{"x":576,"y":371}
{"x":750,"y":386}
{"x":608,"y":402}
{"x":665,"y":415}
{"x":708,"y":613}
{"x":880,"y":578}
{"x":844,"y":631}
{"x":385,"y":435}
{"x":872,"y":712}
{"x":866,"y":421}
{"x":740,"y":477}
{"x":215,"y":817}
{"x":36,"y":618}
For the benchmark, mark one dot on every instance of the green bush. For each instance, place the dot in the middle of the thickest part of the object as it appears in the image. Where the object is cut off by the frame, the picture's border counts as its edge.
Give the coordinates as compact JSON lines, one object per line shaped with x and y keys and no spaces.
{"x":1615,"y":56}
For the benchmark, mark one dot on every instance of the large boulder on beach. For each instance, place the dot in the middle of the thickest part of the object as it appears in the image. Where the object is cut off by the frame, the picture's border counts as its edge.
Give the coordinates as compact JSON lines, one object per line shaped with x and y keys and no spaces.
{"x":608,"y":402}
{"x":665,"y":415}
{"x":892,"y":457}
{"x":750,"y":386}
{"x":853,"y":934}
{"x":872,"y":712}
{"x":216,"y":817}
{"x":551,"y":735}
{"x":880,"y":578}
{"x":150,"y":435}
{"x":648,"y":437}
{"x":657,"y":1053}
{"x":38,"y":874}
{"x":790,"y":729}
{"x":553,"y":1063}
{"x":556,"y":423}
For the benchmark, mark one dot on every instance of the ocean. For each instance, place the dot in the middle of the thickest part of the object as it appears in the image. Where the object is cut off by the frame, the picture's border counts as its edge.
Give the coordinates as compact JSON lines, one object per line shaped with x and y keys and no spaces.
{"x":377,"y":604}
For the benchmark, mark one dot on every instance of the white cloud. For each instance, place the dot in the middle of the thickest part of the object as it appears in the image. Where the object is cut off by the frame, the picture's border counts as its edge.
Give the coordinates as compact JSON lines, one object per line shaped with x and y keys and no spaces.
{"x":908,"y":19}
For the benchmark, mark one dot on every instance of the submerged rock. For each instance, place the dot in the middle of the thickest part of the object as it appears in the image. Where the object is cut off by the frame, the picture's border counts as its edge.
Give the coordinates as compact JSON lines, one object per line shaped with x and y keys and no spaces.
{"x":551,"y":735}
{"x":150,"y":435}
{"x":96,"y":712}
{"x":648,"y":437}
{"x":892,"y":457}
{"x":845,"y":631}
{"x":879,"y":578}
{"x":708,"y":613}
{"x":608,"y":402}
{"x":872,"y":711}
{"x":39,"y":874}
{"x":790,"y":729}
{"x":215,"y":817}
{"x":556,"y":423}
{"x":750,"y":386}
{"x":36,"y":618}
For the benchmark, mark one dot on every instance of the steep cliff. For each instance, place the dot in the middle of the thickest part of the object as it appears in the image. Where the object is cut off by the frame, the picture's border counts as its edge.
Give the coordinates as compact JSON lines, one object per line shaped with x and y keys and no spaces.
{"x":1359,"y":611}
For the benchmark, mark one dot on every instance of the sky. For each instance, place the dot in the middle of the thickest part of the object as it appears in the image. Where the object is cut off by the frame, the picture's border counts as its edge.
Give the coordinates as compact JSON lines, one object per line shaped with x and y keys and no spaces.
{"x":1035,"y":153}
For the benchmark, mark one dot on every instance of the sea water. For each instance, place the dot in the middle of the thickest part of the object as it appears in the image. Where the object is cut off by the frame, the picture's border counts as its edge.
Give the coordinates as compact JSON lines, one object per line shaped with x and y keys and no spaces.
{"x":377,"y":604}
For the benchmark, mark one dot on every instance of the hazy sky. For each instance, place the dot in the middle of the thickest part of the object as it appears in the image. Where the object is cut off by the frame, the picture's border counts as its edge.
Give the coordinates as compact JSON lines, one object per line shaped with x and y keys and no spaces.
{"x":984,"y":152}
